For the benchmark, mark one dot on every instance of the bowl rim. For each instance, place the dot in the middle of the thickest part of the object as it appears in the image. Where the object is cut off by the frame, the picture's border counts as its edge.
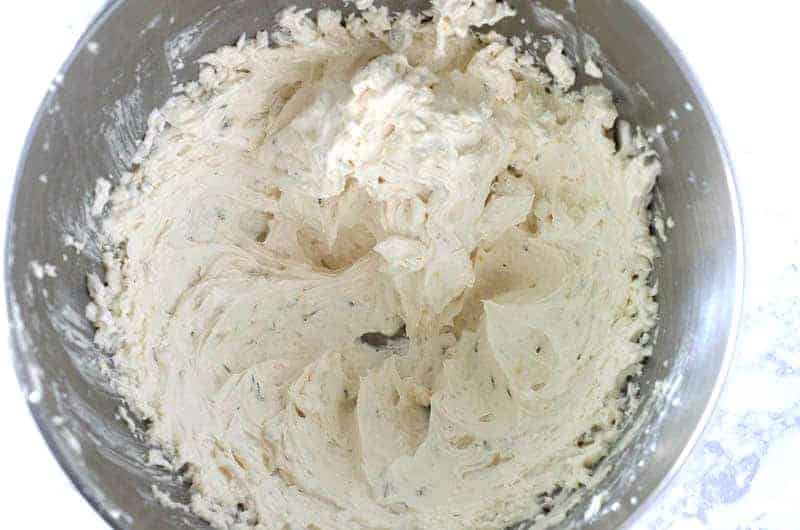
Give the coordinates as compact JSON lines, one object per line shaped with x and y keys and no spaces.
{"x":92,"y":496}
{"x":112,"y":516}
{"x":730,"y":351}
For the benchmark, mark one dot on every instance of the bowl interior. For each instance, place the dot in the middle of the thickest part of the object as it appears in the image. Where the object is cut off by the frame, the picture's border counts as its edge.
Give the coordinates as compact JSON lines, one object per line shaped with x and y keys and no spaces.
{"x":89,"y":127}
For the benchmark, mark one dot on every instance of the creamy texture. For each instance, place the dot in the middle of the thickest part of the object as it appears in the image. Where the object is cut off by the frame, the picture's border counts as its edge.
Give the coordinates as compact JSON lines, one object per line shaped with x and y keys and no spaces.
{"x":381,"y":275}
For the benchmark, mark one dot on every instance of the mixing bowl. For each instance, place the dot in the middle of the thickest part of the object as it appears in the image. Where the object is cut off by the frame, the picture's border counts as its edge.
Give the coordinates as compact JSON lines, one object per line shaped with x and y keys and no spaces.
{"x":125,"y":65}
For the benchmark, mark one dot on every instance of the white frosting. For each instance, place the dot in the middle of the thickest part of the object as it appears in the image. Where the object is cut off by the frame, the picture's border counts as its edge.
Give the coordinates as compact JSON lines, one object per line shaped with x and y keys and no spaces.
{"x":559,"y":64}
{"x":301,"y":200}
{"x":592,"y":70}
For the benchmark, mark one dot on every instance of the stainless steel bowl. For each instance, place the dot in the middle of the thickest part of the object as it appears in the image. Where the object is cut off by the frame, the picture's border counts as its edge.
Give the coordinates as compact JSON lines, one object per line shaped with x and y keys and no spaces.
{"x":87,"y":126}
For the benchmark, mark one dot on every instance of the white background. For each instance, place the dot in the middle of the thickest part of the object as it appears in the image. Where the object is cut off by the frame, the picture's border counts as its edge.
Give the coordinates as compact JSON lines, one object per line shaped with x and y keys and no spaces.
{"x":746,"y":59}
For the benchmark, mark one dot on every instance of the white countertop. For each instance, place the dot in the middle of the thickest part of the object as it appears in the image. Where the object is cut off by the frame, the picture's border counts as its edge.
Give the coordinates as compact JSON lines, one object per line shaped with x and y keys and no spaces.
{"x":745,"y":471}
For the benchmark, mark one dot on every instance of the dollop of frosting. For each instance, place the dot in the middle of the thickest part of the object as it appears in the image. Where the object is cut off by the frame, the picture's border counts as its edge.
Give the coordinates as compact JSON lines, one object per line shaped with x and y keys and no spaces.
{"x":379,"y":276}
